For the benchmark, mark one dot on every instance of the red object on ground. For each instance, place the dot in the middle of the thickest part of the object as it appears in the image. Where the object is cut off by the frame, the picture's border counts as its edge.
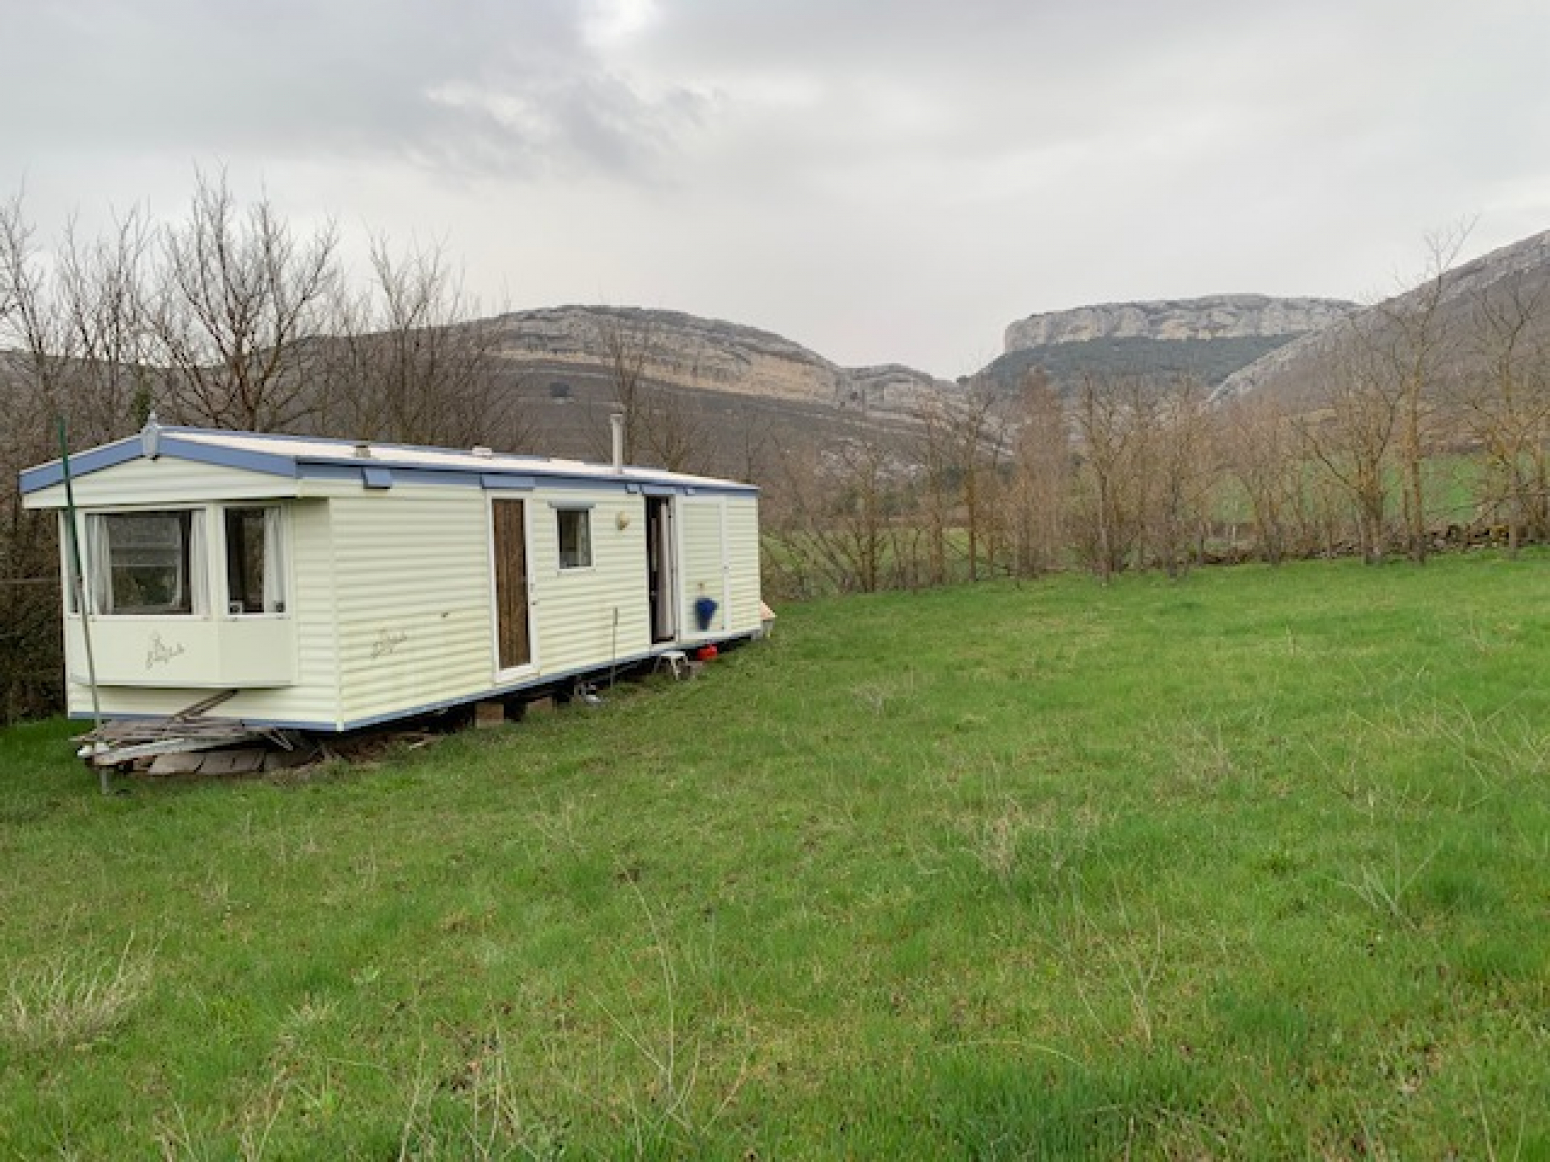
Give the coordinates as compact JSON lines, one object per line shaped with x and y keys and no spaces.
{"x":705,"y":653}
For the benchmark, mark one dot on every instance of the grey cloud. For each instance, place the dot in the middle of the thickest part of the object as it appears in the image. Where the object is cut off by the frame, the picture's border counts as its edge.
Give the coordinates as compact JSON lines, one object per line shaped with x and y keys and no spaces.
{"x":202,"y":78}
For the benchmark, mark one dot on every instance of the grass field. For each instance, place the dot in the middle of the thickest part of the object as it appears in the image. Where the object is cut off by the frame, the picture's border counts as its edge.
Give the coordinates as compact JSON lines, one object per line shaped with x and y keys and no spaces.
{"x":1253,"y":865}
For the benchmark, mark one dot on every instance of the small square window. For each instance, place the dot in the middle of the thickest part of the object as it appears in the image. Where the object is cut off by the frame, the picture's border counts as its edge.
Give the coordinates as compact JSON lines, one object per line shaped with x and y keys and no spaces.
{"x":575,"y":532}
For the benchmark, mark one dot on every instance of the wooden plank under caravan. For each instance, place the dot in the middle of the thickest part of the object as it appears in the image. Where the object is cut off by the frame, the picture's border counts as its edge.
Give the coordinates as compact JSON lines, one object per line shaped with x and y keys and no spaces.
{"x":336,"y":585}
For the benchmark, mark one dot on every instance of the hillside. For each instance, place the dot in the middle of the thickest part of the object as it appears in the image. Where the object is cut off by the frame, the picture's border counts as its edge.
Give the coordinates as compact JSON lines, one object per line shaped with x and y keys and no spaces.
{"x":1513,"y":280}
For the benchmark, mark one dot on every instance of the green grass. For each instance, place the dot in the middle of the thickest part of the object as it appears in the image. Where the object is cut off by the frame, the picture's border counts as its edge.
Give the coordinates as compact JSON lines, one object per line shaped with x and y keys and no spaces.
{"x":1253,"y":865}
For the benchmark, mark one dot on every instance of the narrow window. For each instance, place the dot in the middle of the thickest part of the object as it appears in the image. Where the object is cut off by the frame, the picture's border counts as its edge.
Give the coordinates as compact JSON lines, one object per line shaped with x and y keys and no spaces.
{"x":146,"y":562}
{"x":67,"y":559}
{"x":575,"y":529}
{"x":255,"y":579}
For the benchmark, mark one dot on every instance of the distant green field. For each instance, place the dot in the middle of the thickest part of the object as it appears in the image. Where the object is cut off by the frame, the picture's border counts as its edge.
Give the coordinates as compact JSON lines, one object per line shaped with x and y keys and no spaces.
{"x":1249,"y":866}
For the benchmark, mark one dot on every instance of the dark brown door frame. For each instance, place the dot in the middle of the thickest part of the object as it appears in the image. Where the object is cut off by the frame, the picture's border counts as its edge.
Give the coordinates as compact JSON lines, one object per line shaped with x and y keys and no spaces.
{"x":513,"y":628}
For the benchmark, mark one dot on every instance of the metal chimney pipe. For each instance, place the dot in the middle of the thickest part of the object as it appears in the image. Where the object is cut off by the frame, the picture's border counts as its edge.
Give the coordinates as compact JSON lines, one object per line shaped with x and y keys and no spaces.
{"x":617,"y":420}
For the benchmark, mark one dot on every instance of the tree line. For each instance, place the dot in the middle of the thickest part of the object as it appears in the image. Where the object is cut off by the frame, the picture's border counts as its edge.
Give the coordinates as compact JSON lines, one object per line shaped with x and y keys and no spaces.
{"x":1424,"y":425}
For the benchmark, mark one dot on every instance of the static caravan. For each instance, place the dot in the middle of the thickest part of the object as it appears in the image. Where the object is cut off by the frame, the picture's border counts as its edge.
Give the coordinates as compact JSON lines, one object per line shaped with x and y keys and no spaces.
{"x":335,"y":585}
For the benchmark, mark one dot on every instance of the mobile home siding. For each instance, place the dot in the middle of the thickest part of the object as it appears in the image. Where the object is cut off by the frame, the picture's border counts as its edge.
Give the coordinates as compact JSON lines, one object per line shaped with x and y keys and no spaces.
{"x":703,"y":560}
{"x":165,"y":482}
{"x":412,"y":593}
{"x":742,"y":550}
{"x":574,"y":609}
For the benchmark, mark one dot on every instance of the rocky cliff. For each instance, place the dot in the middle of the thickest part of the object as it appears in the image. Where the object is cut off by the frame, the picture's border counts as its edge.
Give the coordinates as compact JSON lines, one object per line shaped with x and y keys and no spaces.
{"x":1207,"y":339}
{"x":702,"y":354}
{"x":1177,"y":320}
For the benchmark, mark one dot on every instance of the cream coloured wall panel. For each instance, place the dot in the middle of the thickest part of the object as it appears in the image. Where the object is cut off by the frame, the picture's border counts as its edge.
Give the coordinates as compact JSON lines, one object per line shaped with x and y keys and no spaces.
{"x":412,"y":596}
{"x":574,"y":609}
{"x":164,"y":482}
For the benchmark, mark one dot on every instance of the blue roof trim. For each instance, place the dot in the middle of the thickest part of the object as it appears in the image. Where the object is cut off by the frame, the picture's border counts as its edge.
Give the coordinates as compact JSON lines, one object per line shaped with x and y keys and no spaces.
{"x":133,"y":448}
{"x":328,"y":472}
{"x":346,"y":446}
{"x":266,"y":463}
{"x":94,"y":460}
{"x":377,"y":477}
{"x":500,"y":481}
{"x":522,"y":473}
{"x":398,"y":474}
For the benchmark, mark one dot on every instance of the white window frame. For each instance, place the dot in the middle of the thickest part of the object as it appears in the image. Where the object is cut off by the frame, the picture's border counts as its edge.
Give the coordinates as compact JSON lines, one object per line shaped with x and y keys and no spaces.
{"x":584,"y":513}
{"x":276,"y":560}
{"x":96,"y":553}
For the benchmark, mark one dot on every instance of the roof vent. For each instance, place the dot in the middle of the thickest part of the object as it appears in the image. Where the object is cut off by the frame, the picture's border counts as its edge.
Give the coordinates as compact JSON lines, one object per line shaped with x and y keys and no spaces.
{"x":482,"y":452}
{"x":150,"y":438}
{"x":362,"y":450}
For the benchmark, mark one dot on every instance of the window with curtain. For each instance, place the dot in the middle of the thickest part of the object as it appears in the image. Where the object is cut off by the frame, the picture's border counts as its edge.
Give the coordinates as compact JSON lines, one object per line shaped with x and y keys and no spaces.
{"x":575,"y":533}
{"x":255,"y":577}
{"x":146,"y":562}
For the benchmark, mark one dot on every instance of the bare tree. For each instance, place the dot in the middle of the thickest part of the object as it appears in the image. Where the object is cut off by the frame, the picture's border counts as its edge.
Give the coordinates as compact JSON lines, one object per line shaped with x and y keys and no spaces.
{"x":938,"y":487}
{"x":628,"y":343}
{"x":1506,"y":404}
{"x":102,"y":309}
{"x":240,"y":301}
{"x":1176,"y":425}
{"x":839,"y":526}
{"x":1407,"y":348}
{"x":677,"y":434}
{"x":1353,"y":437}
{"x":1112,"y":476}
{"x":1263,"y":454}
{"x":408,"y":364}
{"x":1037,"y":493}
{"x":71,"y":328}
{"x":979,"y":437}
{"x":961,"y":446}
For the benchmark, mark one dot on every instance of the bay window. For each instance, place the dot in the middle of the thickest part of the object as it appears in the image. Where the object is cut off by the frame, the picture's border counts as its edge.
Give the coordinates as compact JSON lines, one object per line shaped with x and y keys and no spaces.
{"x":157,"y":563}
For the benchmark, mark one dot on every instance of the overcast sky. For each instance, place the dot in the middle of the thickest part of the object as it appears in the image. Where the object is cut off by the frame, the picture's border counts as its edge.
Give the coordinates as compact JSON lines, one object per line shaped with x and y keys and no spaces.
{"x":883,"y":182}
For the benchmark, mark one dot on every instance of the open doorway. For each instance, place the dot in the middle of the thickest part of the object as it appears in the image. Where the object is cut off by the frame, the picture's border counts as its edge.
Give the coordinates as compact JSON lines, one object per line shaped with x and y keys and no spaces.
{"x":661,"y":568}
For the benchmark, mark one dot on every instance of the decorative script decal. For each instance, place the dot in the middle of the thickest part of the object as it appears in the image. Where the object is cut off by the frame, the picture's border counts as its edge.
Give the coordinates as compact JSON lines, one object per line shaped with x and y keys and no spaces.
{"x":387,"y":641}
{"x":159,"y":653}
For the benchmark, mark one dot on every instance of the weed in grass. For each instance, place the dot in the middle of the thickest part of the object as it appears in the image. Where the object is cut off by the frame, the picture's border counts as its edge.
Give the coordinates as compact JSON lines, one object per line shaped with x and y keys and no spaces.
{"x":1131,"y":957}
{"x":998,"y":841}
{"x":484,"y":1119}
{"x":879,"y":698}
{"x":1206,"y":756}
{"x":668,"y":1110}
{"x":1386,"y":889}
{"x":259,"y":1117}
{"x":74,"y":998}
